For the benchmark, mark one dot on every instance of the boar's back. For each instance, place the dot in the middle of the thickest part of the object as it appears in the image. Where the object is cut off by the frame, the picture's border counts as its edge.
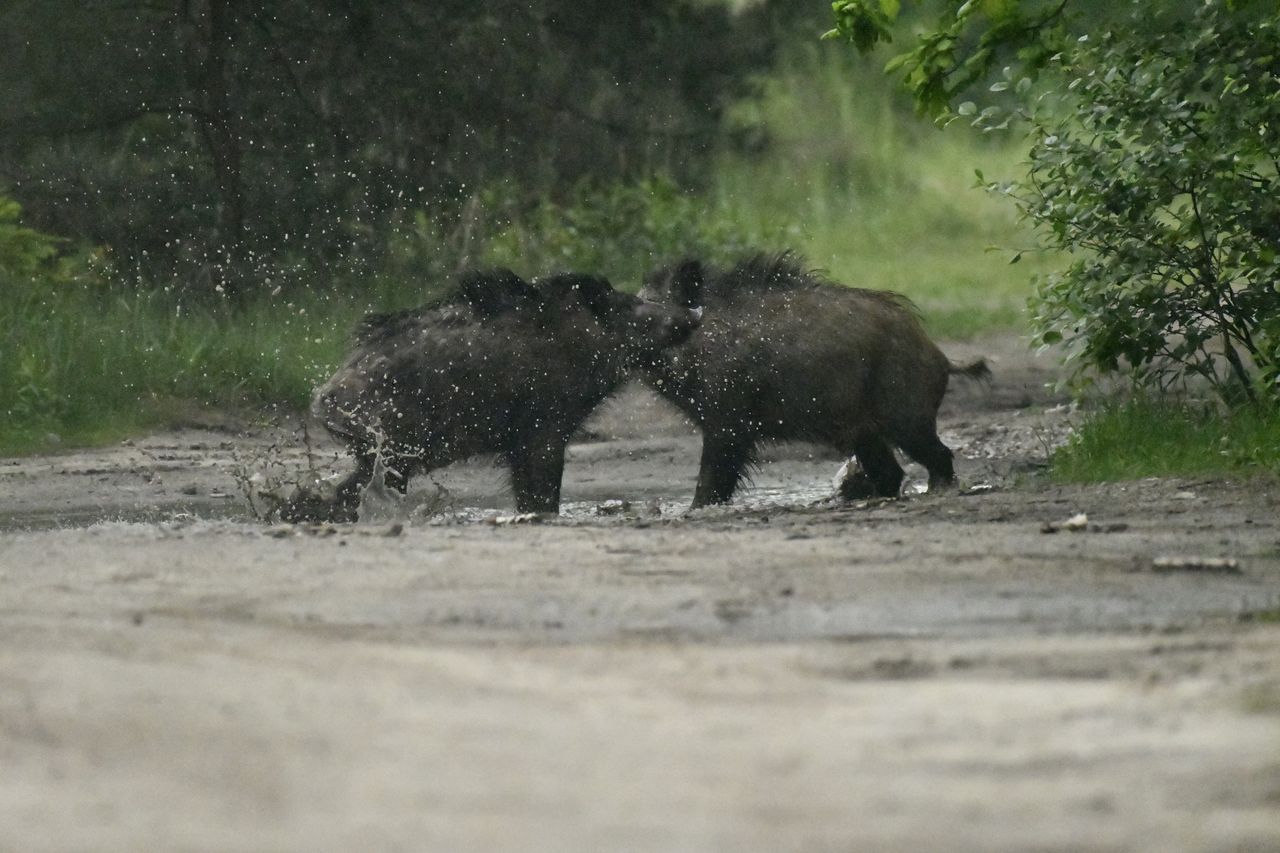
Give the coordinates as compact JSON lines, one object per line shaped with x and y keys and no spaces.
{"x":477,"y":296}
{"x":785,"y":272}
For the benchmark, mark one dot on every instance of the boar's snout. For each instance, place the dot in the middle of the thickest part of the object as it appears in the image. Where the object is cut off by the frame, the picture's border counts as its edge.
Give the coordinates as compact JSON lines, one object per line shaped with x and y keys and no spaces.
{"x":658,"y":325}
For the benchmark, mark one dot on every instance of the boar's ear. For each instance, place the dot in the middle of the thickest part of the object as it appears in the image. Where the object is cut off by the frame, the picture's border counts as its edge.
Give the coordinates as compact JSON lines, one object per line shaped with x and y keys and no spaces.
{"x":595,"y":293}
{"x":497,"y":291}
{"x":686,"y":284}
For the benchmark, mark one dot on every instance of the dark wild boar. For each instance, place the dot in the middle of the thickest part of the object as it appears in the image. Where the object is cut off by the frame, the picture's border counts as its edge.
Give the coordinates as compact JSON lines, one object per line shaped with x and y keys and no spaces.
{"x":784,"y":355}
{"x":503,"y":367}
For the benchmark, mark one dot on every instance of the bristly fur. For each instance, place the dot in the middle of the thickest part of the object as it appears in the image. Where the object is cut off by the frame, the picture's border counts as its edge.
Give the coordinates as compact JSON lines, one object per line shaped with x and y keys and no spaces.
{"x":372,"y":329}
{"x":781,"y":272}
{"x":471,"y":290}
{"x":762,"y":271}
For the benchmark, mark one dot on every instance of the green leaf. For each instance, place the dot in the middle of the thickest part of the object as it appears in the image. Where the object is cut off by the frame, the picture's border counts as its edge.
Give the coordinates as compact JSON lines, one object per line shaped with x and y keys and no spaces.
{"x":897,"y":62}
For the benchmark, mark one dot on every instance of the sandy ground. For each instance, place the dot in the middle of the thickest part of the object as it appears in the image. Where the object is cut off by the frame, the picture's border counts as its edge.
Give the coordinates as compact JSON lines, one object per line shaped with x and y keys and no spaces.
{"x":944,"y":672}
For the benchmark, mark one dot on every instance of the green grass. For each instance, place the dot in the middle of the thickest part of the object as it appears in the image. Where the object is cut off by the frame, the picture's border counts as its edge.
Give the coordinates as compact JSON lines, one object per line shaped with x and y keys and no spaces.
{"x":91,"y":366}
{"x":1147,"y":438}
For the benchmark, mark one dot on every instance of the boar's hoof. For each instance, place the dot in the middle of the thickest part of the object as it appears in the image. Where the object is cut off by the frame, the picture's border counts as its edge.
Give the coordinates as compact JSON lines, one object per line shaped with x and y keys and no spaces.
{"x":858,"y":487}
{"x":853,"y":483}
{"x":943,"y":485}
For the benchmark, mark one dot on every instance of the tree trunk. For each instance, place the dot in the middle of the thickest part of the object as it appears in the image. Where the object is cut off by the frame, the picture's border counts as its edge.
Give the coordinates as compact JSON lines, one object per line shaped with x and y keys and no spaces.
{"x":209,"y":48}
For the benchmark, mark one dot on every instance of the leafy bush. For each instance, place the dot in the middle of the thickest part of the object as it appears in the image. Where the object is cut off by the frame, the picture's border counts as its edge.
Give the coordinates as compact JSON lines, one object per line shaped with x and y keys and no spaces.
{"x":28,"y":272}
{"x":23,"y":251}
{"x":1156,"y":169}
{"x":1160,"y":174}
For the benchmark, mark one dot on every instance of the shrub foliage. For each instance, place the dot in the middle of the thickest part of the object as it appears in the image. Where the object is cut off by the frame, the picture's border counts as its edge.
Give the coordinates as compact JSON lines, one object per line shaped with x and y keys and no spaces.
{"x":1154,"y":165}
{"x":1160,"y":175}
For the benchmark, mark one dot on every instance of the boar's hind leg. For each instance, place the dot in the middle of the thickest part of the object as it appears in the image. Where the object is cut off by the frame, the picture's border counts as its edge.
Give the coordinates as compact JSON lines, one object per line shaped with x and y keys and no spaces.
{"x":536,"y":472}
{"x":879,"y":466}
{"x":923,"y":445}
{"x":724,"y":460}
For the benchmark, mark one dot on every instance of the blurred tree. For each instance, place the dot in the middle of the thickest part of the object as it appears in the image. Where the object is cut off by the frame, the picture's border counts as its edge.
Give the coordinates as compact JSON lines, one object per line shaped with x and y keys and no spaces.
{"x":221,"y":140}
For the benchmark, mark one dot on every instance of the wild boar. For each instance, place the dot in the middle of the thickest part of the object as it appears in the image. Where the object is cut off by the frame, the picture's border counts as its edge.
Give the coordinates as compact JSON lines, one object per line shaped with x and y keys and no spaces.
{"x":784,"y":355}
{"x":502,"y":366}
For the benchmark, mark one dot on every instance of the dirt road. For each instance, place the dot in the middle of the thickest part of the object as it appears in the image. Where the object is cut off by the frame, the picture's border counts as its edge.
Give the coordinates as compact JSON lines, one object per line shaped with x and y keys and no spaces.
{"x":946,"y":672}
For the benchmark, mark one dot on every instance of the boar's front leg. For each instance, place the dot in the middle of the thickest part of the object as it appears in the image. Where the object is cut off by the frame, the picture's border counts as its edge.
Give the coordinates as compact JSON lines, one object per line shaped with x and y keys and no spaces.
{"x":346,"y":499}
{"x":724,"y":460}
{"x":537,"y":467}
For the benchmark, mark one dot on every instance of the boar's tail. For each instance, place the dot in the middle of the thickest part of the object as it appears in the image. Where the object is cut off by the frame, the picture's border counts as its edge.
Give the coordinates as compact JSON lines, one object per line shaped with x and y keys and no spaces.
{"x":974,"y":370}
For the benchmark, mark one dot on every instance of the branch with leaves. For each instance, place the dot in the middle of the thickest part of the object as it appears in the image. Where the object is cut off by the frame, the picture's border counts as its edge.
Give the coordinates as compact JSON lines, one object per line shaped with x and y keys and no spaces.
{"x":965,"y":43}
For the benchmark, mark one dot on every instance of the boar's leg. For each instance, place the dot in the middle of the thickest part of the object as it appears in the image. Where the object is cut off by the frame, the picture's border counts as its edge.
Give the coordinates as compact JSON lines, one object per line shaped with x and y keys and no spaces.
{"x":397,"y":474}
{"x":923,"y":445}
{"x":346,"y":500}
{"x":536,"y":471}
{"x":881,"y":475}
{"x":724,"y":460}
